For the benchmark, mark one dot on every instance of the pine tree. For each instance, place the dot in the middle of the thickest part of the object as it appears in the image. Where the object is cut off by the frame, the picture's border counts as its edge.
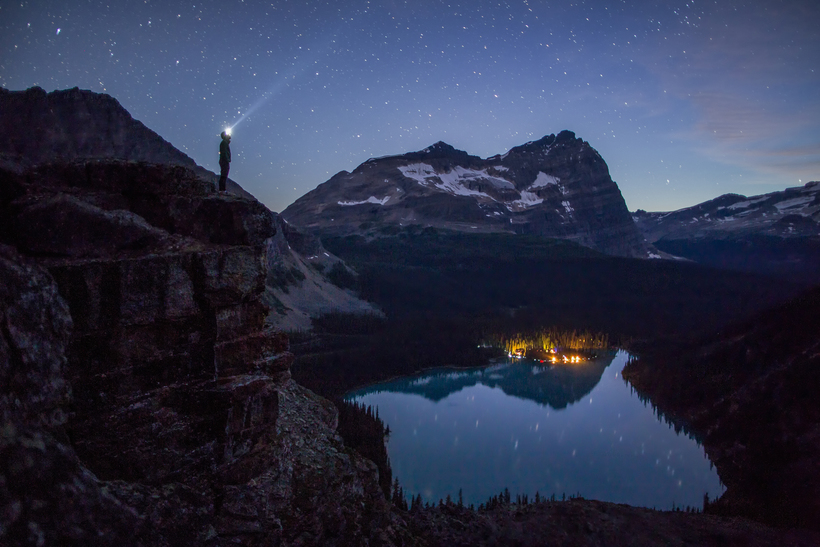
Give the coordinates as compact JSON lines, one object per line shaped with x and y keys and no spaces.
{"x":395,"y":498}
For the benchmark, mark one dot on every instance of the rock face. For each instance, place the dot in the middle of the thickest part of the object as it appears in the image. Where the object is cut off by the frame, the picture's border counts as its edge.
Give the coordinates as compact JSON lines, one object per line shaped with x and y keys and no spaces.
{"x":777,"y":234}
{"x":141,"y":289}
{"x":557,"y":187}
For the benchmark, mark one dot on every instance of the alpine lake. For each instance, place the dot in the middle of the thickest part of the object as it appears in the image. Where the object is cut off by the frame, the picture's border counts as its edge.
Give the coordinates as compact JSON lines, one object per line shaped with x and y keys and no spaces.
{"x":562,"y":429}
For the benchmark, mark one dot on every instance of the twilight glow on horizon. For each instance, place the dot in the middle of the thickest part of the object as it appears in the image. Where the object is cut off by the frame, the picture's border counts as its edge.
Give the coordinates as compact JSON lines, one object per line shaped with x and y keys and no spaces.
{"x":684,"y":100}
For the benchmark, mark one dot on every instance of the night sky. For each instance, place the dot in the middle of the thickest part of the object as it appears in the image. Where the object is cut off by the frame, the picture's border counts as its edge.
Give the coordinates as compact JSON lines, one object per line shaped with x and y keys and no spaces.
{"x":684,"y":102}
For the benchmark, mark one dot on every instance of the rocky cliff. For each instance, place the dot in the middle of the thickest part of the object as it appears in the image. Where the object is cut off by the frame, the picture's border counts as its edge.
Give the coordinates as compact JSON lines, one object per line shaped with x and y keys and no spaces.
{"x":557,"y":187}
{"x":73,"y":125}
{"x":144,"y":400}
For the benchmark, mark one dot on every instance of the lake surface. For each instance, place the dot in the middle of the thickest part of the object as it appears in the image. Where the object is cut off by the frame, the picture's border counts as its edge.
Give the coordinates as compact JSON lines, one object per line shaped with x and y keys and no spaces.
{"x":566,"y":429}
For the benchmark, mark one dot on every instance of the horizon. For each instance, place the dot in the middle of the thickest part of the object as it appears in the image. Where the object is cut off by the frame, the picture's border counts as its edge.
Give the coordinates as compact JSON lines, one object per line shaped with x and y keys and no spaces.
{"x":684,"y":103}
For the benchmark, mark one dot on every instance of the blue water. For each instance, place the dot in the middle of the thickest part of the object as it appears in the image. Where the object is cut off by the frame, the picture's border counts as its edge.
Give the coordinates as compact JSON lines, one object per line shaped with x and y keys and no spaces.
{"x":567,"y":429}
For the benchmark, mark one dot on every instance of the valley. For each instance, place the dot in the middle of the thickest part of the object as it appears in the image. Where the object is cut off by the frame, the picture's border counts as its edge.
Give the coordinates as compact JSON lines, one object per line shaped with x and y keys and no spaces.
{"x":174,"y":360}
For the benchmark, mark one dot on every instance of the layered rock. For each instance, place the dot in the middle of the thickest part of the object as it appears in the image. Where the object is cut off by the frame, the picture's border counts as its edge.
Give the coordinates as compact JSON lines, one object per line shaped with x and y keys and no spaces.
{"x":557,"y":187}
{"x":183,"y":426}
{"x":46,"y":496}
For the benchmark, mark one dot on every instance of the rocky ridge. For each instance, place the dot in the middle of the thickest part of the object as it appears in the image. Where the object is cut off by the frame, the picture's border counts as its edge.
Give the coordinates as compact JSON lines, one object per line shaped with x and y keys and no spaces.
{"x":793,"y":212}
{"x":777,"y":234}
{"x":557,"y":187}
{"x":74,"y":124}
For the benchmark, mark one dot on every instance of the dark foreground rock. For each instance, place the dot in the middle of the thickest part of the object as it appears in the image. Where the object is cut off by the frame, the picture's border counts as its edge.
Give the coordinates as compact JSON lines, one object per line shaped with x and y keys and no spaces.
{"x":585,"y":523}
{"x":144,"y":402}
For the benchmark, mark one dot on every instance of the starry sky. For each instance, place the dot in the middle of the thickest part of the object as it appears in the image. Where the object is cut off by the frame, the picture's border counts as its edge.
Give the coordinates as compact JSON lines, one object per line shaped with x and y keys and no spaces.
{"x":685,"y":100}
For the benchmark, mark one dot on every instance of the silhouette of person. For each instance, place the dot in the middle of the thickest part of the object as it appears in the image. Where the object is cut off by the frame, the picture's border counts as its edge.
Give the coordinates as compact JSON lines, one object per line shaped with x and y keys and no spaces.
{"x":224,"y":160}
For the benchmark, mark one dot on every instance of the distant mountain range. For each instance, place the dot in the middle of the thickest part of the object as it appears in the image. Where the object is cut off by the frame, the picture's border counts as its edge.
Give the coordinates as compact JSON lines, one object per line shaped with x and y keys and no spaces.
{"x":556,"y":187}
{"x":776,"y":234}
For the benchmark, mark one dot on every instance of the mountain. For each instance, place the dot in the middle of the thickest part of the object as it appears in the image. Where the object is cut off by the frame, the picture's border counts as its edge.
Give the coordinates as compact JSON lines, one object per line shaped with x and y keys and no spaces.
{"x":776,"y":234}
{"x":38,"y":128}
{"x":302,"y":281}
{"x":556,"y":187}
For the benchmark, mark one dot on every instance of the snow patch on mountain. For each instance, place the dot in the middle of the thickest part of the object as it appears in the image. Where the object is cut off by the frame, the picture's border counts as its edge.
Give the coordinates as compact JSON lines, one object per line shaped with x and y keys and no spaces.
{"x":528,"y":199}
{"x":456,"y":181}
{"x":796,"y":202}
{"x":745,"y":204}
{"x":544,"y":179}
{"x":371,"y":199}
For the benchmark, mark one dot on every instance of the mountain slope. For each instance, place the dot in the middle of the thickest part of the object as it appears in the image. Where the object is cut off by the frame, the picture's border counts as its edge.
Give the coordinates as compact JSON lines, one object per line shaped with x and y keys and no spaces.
{"x":749,"y":393}
{"x":299,"y":286}
{"x":557,"y":187}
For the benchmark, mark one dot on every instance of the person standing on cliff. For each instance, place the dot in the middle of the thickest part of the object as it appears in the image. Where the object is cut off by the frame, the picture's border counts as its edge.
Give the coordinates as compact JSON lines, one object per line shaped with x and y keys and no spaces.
{"x":224,"y":160}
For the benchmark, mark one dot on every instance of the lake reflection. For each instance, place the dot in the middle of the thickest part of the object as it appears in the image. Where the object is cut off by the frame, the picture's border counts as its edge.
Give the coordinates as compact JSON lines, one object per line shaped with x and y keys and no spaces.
{"x":571,"y":428}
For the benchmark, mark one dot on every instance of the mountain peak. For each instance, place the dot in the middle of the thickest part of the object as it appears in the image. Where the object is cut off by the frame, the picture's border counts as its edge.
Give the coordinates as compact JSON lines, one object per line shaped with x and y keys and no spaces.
{"x":442,"y":147}
{"x":75,"y":124}
{"x":557,"y":186}
{"x":439,"y":150}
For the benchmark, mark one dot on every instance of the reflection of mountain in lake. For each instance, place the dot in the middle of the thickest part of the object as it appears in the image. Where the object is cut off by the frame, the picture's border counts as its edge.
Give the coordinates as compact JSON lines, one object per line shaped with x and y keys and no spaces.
{"x":556,"y":386}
